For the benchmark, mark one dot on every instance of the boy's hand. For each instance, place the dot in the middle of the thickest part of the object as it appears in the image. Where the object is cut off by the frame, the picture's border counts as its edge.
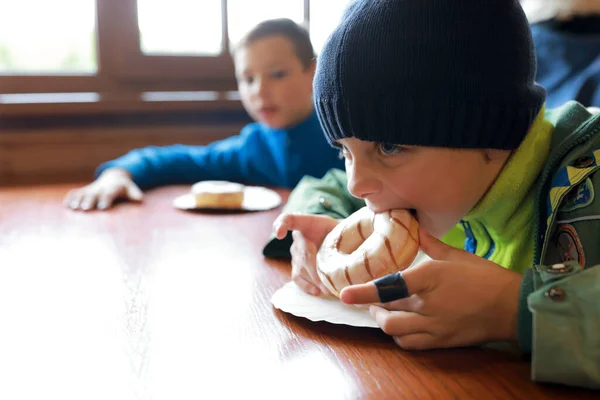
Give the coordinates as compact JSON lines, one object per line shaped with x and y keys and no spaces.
{"x":111,"y":184}
{"x":308,"y":232}
{"x":456,"y":299}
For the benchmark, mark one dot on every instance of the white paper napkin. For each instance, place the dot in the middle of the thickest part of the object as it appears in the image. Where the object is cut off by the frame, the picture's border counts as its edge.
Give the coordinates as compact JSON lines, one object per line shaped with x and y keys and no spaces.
{"x":293,"y":300}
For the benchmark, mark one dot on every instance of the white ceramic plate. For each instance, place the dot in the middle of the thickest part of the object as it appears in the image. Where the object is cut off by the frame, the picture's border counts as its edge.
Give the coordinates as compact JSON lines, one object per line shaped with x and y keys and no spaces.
{"x":256,"y":198}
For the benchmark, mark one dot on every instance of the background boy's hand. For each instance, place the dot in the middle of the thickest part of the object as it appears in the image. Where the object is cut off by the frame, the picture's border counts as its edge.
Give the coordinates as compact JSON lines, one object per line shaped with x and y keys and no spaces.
{"x":112,"y":184}
{"x":308,"y":232}
{"x":456,"y":299}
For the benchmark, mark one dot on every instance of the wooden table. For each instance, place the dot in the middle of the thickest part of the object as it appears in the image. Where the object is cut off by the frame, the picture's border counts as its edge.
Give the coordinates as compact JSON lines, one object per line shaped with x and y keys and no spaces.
{"x":149,"y":302}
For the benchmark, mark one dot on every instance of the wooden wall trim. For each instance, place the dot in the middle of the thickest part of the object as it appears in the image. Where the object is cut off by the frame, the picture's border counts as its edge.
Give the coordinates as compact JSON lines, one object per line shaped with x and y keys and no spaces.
{"x":72,"y":154}
{"x":95,"y":103}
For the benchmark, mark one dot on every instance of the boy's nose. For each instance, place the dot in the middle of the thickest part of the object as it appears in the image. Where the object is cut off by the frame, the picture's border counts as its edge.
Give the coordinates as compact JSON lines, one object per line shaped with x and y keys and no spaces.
{"x":362,"y":182}
{"x":260,"y":88}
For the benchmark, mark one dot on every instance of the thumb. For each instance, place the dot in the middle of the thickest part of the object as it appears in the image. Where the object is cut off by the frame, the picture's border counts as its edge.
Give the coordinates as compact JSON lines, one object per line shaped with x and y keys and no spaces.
{"x":396,"y":286}
{"x":438,"y":250}
{"x":133,"y":192}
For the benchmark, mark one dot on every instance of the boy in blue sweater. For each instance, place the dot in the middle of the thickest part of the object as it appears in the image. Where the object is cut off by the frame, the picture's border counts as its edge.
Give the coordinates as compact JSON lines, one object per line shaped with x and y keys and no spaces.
{"x":274,"y":66}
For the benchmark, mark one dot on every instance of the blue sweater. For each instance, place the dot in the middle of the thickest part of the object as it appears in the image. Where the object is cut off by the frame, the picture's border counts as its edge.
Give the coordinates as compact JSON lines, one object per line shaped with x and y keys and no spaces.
{"x":259,"y":155}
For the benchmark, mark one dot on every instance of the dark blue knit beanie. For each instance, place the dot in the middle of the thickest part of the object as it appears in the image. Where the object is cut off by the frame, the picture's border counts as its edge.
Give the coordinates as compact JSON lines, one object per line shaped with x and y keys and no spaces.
{"x":451,"y":73}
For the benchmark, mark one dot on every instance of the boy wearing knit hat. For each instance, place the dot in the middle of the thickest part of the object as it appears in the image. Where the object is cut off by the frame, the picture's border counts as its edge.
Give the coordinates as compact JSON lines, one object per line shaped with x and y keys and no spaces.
{"x":434,"y":107}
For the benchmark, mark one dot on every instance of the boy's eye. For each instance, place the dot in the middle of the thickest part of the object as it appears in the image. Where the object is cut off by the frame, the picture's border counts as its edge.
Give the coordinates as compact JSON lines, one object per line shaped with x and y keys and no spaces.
{"x":389,"y":149}
{"x":278,"y":74}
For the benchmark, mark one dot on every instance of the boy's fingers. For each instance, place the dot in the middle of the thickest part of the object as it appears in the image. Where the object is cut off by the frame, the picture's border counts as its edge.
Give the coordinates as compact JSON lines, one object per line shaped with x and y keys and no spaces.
{"x":72,"y":199}
{"x":313,"y":227}
{"x":307,"y":223}
{"x":399,"y":323}
{"x":306,"y":286}
{"x":438,"y":250}
{"x":416,"y":341}
{"x":298,"y":222}
{"x":304,"y":255}
{"x":134,"y":192}
{"x":76,"y":200}
{"x":364,"y":293}
{"x":69,"y":197}
{"x":283,"y":224}
{"x":311,"y":271}
{"x":298,"y":238}
{"x":396,"y":286}
{"x":302,"y":245}
{"x":280,"y":227}
{"x":88,"y":202}
{"x":105,"y":201}
{"x":413,"y":304}
{"x":325,"y":290}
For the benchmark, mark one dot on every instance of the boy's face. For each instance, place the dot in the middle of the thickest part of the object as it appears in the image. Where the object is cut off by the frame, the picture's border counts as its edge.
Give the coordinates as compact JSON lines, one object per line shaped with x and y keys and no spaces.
{"x":441,"y":185}
{"x":276,"y":89}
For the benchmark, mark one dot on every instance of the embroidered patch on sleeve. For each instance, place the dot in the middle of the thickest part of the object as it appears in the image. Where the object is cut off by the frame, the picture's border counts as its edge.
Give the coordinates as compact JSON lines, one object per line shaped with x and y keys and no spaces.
{"x":569,"y":245}
{"x":579,"y":197}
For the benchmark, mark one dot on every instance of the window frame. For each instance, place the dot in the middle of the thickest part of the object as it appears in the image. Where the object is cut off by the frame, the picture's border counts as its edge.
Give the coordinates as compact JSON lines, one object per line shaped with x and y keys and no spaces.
{"x":128,"y":62}
{"x":122,"y":65}
{"x":124,"y":74}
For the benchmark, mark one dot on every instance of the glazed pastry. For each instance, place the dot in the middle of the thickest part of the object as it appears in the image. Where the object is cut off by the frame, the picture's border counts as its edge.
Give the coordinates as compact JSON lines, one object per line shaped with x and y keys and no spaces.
{"x":218,"y":194}
{"x":366,"y":246}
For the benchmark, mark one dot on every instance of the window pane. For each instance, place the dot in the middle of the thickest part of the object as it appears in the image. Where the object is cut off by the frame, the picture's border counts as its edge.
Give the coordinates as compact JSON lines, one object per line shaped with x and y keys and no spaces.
{"x":324,"y":17}
{"x":47,"y":37}
{"x":180,"y":27}
{"x":245,"y":14}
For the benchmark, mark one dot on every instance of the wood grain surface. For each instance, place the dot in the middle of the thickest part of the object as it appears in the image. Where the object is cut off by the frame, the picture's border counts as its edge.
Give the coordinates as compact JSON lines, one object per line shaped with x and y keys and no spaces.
{"x":149,"y":302}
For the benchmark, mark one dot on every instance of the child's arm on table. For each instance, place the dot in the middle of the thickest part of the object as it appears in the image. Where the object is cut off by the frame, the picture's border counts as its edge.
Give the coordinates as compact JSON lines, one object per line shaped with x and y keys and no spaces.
{"x":155,"y":166}
{"x":113,"y":183}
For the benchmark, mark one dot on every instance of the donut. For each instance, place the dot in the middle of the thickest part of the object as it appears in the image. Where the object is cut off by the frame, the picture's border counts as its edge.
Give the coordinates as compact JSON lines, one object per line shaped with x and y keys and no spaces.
{"x":218,"y":194}
{"x":367,"y":246}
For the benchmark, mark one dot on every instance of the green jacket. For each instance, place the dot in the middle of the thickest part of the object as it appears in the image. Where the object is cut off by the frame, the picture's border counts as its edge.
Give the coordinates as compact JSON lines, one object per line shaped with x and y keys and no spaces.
{"x":559,"y":314}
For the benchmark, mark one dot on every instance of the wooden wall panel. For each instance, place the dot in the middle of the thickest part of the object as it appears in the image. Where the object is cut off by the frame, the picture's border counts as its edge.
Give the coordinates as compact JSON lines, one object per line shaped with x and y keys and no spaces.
{"x":72,"y":154}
